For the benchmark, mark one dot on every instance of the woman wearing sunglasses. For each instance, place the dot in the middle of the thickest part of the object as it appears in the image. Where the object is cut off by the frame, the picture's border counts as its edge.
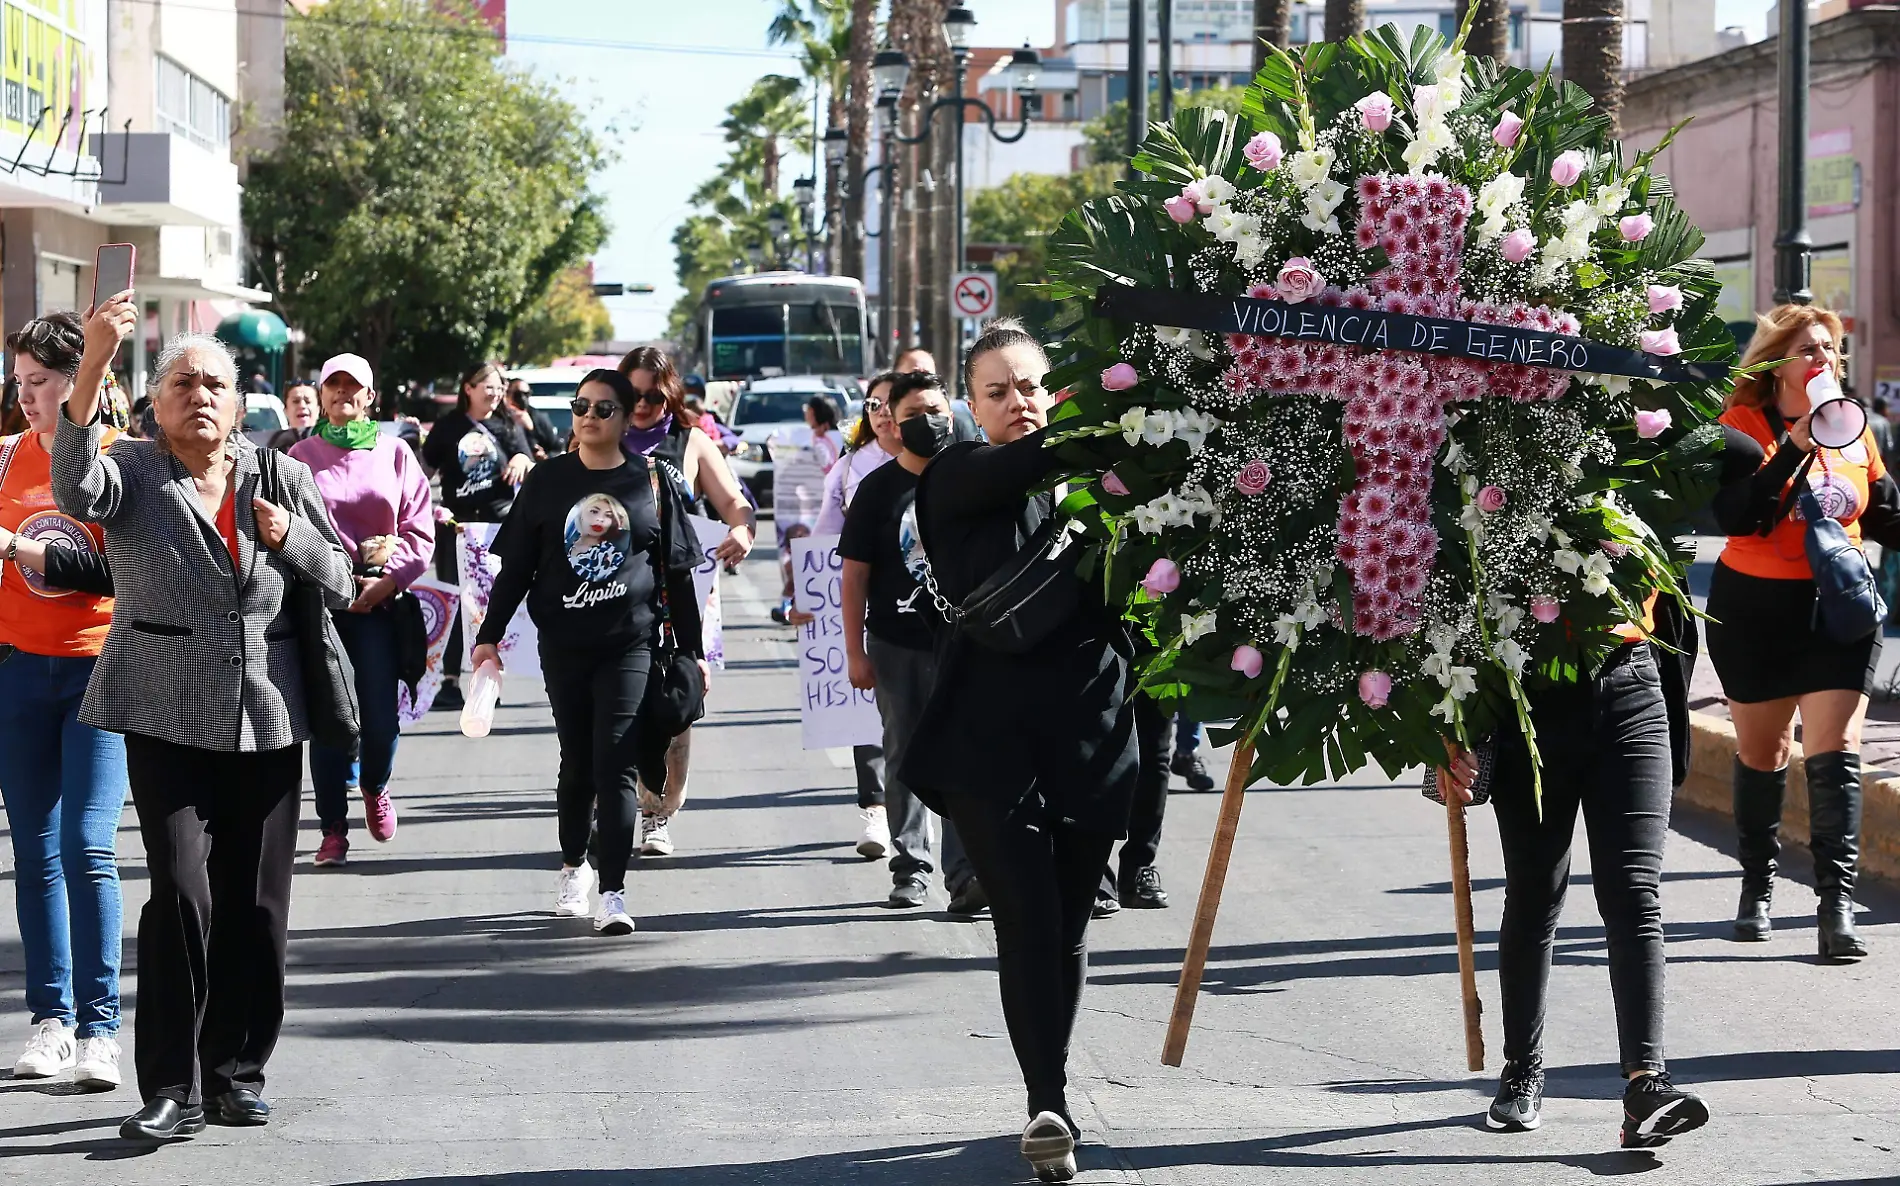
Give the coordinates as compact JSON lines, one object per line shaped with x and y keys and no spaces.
{"x":582,"y":547}
{"x":660,"y":426}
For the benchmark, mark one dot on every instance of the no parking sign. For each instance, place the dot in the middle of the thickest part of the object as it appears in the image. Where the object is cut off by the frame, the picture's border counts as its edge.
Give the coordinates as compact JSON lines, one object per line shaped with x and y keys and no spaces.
{"x":973,"y":294}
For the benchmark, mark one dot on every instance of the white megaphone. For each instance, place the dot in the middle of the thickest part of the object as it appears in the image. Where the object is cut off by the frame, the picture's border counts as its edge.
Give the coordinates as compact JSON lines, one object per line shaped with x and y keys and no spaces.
{"x":1835,"y":419}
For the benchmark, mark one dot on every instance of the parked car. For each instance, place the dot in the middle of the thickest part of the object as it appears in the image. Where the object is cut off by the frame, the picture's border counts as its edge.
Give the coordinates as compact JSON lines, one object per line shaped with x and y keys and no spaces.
{"x":554,"y":389}
{"x":264,"y":418}
{"x":765,"y":408}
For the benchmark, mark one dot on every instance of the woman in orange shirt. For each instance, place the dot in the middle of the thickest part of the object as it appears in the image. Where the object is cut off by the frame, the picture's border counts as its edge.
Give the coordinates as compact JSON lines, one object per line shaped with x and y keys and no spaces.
{"x":1764,"y":642}
{"x":63,"y":781}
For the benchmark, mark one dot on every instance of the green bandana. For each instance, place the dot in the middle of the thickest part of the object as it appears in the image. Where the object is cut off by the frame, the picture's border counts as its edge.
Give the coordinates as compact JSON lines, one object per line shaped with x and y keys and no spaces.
{"x":357,"y":434}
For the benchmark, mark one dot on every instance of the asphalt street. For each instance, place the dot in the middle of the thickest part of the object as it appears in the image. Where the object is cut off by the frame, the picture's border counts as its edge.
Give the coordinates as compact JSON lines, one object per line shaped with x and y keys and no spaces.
{"x":771,"y":1022}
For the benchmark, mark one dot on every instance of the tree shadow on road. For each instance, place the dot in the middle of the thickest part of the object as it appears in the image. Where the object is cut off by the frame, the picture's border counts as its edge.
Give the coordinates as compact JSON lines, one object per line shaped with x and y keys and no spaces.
{"x":1605,"y":1080}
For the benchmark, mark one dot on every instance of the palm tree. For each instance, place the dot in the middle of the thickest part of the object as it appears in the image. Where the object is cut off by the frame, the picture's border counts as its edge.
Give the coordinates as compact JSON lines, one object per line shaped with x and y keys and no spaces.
{"x":822,"y":31}
{"x":858,"y":119}
{"x":1344,"y":18}
{"x":1593,"y":52}
{"x":1272,"y":25}
{"x":768,"y":116}
{"x":1490,"y":35}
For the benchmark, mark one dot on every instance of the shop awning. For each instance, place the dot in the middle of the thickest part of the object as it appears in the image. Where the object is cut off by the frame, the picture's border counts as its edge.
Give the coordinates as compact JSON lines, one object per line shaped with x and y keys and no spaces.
{"x":255,"y":329}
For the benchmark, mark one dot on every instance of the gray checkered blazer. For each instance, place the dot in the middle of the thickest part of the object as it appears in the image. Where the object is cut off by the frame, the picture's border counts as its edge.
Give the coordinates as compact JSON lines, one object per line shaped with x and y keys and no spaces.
{"x":198,"y":654}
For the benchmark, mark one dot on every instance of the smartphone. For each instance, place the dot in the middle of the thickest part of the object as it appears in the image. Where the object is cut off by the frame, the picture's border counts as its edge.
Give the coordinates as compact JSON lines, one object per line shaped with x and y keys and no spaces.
{"x":112,"y":270}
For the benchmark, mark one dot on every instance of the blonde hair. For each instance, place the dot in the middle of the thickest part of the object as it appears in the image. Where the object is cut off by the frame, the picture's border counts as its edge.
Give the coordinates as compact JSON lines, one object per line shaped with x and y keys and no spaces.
{"x":1775,"y":332}
{"x":608,"y":503}
{"x":998,"y":334}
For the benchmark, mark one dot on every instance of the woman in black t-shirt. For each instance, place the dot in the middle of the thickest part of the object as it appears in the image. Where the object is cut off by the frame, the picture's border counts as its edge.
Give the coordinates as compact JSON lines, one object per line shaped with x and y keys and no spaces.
{"x":582,"y":547}
{"x":481,"y":455}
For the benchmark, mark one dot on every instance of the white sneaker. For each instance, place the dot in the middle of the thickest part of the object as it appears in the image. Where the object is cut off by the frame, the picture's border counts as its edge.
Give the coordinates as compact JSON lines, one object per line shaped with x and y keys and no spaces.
{"x":48,"y":1052}
{"x":576,"y":884}
{"x":98,"y":1064}
{"x":612,"y":917}
{"x":655,"y":840}
{"x":876,"y":840}
{"x":1049,"y":1148}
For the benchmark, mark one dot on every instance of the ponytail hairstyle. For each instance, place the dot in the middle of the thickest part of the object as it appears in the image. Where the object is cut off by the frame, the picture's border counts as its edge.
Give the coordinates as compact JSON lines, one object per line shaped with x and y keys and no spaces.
{"x":999,"y":334}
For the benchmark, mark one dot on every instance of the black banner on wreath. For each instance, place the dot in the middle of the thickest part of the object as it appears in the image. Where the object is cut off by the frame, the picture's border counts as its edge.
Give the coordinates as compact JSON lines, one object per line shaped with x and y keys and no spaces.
{"x":1377,"y":329}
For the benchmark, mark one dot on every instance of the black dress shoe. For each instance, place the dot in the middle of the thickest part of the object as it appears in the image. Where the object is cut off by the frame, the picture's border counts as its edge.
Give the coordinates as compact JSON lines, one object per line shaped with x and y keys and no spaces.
{"x":163,"y":1119}
{"x":241,"y":1107}
{"x":1146,"y":894}
{"x":969,"y":899}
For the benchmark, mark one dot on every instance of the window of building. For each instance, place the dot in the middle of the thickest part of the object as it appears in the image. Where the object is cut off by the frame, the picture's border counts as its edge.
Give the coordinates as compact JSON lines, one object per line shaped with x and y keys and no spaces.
{"x":188,"y":106}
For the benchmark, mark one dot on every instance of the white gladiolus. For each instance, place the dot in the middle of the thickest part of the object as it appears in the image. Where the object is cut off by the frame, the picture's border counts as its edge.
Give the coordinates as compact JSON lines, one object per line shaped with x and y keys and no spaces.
{"x":1311,"y":167}
{"x":1132,"y":424}
{"x":1195,"y":627}
{"x":1157,"y":427}
{"x":1463,"y":682}
{"x":1513,"y":656}
{"x":1286,"y":632}
{"x":1567,"y":560}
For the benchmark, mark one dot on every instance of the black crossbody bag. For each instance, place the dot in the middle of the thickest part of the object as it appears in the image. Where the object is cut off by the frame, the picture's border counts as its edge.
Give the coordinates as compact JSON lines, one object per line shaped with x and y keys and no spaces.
{"x":329,"y":681}
{"x":676,"y":691}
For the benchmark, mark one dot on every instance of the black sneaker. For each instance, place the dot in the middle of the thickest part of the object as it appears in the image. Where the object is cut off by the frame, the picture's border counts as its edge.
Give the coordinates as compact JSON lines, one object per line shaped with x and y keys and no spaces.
{"x":1520,"y":1099}
{"x":969,"y":899}
{"x":448,"y":698}
{"x":1654,"y":1109}
{"x":1146,"y":893}
{"x":907,"y":894}
{"x":1105,"y":906}
{"x":1190,"y":767}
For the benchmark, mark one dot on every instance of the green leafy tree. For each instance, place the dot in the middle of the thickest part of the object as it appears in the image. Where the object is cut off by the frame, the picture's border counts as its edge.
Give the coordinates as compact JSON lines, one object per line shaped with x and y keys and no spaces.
{"x":425,"y":194}
{"x":564,"y":321}
{"x":1107,"y":134}
{"x":1021,"y":213}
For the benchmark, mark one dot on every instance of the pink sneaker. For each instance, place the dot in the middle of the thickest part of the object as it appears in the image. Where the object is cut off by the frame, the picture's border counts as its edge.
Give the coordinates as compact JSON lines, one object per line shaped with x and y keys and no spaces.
{"x":379,"y":815}
{"x":334,"y":850}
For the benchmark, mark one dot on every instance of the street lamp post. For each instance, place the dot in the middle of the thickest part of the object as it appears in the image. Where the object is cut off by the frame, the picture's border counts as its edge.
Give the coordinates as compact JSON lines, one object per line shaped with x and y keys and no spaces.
{"x":805,"y":193}
{"x":1793,"y":247}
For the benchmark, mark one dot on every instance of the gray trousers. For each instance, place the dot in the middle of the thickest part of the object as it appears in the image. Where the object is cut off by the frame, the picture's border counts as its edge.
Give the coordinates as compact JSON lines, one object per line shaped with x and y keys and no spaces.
{"x":904,"y":679}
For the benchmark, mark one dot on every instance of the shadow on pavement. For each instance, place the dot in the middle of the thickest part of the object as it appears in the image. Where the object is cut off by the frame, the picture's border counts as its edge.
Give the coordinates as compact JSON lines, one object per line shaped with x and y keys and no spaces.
{"x":1604,"y":1080}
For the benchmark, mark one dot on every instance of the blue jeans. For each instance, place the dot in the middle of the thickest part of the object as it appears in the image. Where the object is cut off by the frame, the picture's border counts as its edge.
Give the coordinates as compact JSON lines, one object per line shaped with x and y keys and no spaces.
{"x":1187,"y":735}
{"x":64,"y":786}
{"x":370,"y":640}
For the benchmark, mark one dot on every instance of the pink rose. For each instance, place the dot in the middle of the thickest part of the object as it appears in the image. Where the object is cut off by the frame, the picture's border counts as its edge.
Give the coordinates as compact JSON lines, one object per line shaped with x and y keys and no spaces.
{"x":1635,"y":227}
{"x":1509,"y":125}
{"x":1375,"y":111}
{"x":1660,"y":341}
{"x":1196,"y":192}
{"x":1518,"y":245}
{"x":1181,"y":208}
{"x":1375,"y":688}
{"x":1263,"y":151}
{"x":1491,"y":499}
{"x":1299,"y":280}
{"x":1568,"y":167}
{"x":1544,"y":608}
{"x":1248,"y":661}
{"x":1650,"y":425}
{"x":1163,"y":578}
{"x":1615,"y":550}
{"x":1113,"y":484}
{"x":1664,"y":298}
{"x":1253,"y":478}
{"x":1119,"y":377}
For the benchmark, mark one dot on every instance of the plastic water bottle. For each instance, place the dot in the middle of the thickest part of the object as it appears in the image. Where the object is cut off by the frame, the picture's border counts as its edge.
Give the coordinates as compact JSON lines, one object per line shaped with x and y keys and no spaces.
{"x":478,"y":708}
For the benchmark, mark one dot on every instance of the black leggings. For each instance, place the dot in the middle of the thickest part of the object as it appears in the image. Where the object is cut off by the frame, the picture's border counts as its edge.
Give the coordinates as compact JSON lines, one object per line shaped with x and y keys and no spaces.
{"x":596,"y":698}
{"x":1041,"y":879}
{"x":1605,"y":750}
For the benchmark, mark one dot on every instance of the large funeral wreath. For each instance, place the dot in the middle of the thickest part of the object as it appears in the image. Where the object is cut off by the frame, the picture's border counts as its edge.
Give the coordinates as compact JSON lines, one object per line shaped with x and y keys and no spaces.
{"x":1400,"y":384}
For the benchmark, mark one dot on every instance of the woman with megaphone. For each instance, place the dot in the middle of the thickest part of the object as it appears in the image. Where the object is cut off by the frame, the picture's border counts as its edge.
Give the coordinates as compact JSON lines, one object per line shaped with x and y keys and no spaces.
{"x":1802,"y":485}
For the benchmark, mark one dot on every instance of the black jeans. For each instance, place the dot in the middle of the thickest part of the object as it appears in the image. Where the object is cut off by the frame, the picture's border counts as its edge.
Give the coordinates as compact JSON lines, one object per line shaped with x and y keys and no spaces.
{"x":869,"y":760}
{"x":1605,"y":749}
{"x":1041,"y":878}
{"x":596,"y":698}
{"x":448,"y":570}
{"x":220,"y":833}
{"x":1154,"y":741}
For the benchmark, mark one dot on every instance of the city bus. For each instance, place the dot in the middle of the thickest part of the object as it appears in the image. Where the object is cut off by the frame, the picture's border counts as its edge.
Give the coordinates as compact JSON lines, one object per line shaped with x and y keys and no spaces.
{"x":781,"y":323}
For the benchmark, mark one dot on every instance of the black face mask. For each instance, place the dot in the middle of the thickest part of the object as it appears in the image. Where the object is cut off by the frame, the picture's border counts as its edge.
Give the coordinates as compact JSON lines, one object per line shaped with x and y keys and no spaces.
{"x":926,"y":435}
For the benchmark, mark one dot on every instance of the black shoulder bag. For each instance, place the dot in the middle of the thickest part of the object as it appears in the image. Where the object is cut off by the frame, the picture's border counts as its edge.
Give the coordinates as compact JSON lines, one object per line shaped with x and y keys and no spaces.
{"x":676,"y":691}
{"x":329,"y":681}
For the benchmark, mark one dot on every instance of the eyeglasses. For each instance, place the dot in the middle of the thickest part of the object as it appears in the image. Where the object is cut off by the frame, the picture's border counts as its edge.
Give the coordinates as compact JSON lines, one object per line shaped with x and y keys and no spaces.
{"x":605,"y":409}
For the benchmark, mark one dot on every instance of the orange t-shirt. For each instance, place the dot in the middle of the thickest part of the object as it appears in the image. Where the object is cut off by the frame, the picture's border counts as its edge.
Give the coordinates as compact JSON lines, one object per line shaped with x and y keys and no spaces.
{"x":1840,"y":479}
{"x":34,"y":616}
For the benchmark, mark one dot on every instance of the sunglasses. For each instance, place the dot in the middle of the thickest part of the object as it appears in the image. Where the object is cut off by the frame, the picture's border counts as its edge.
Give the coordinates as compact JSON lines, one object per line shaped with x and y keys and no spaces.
{"x":874,"y":404}
{"x":655,"y":397}
{"x":605,"y":409}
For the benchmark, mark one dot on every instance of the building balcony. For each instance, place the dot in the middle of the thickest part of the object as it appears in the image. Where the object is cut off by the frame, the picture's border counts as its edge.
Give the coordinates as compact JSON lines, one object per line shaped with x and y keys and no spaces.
{"x":158,"y":179}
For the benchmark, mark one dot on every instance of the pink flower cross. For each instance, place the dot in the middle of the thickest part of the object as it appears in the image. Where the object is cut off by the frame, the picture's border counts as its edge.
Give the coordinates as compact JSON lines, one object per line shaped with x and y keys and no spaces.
{"x":1395,"y":401}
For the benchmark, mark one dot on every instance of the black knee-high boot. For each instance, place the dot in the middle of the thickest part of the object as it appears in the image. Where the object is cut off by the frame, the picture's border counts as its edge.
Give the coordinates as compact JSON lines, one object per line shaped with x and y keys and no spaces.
{"x":1758,"y":796}
{"x":1834,"y":834}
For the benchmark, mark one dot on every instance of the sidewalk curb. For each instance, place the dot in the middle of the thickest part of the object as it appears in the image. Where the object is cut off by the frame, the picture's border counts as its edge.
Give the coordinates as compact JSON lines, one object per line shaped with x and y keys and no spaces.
{"x":1711,"y":765}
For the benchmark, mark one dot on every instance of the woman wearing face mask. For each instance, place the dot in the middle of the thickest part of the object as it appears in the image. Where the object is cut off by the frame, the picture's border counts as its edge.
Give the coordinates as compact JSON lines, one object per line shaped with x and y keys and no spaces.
{"x":1031,"y":755}
{"x":201,"y":673}
{"x":661,"y":428}
{"x":599,"y":608}
{"x":63,"y":780}
{"x":481,"y":455}
{"x":378,"y":500}
{"x":1772,"y":656}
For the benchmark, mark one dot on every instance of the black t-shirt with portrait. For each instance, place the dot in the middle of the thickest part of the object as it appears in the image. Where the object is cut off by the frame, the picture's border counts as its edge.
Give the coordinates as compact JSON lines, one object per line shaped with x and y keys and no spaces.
{"x":579,"y":546}
{"x":469,"y":455}
{"x":880,"y":531}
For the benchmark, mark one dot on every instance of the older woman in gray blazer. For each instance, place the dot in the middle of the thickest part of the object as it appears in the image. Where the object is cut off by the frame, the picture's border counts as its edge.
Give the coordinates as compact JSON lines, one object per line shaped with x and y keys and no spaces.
{"x":200,"y":672}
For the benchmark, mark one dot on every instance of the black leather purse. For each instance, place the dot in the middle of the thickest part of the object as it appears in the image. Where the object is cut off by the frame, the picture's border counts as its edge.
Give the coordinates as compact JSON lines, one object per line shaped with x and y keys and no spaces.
{"x":676,"y":691}
{"x":329,"y":681}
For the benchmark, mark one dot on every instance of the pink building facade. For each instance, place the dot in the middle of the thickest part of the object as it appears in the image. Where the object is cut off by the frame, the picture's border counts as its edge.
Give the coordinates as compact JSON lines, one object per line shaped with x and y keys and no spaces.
{"x":1724,"y":167}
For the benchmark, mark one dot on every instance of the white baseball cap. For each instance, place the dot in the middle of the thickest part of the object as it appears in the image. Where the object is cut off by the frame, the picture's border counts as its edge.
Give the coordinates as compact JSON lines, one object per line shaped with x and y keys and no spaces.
{"x":353,"y":365}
